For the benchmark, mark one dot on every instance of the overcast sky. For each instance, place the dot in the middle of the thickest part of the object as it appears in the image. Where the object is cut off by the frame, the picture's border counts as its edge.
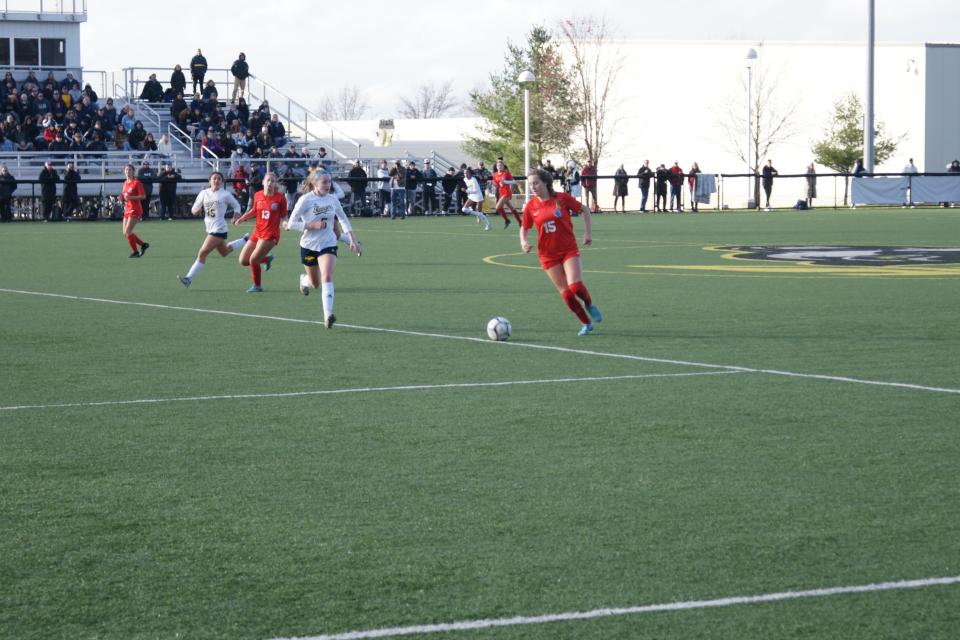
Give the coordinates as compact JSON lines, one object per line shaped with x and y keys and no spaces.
{"x":387,"y":49}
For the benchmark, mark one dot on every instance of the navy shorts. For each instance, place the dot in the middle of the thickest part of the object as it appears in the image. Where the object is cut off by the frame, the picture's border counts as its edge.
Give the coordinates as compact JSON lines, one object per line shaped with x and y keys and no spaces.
{"x":308,"y":257}
{"x":222,"y":236}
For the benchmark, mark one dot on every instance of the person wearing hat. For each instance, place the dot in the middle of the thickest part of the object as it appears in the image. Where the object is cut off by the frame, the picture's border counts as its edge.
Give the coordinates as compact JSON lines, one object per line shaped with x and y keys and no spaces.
{"x":168,"y":179}
{"x":411,"y":181}
{"x":48,"y":188}
{"x":152,"y":90}
{"x":241,"y":71}
{"x":358,"y":186}
{"x":146,"y":175}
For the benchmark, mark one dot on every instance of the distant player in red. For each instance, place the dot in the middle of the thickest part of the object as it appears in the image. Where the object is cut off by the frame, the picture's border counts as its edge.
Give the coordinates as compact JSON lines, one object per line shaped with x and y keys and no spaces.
{"x":551,"y":213}
{"x":132,"y":194}
{"x":270,"y":208}
{"x":504,"y":182}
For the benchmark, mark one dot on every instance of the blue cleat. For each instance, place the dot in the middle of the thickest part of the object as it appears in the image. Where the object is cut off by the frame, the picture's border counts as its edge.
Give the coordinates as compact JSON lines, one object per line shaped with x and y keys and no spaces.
{"x":268,"y":263}
{"x":184,"y":280}
{"x":246,"y":237}
{"x":594,"y":313}
{"x":255,"y":289}
{"x":585,"y":330}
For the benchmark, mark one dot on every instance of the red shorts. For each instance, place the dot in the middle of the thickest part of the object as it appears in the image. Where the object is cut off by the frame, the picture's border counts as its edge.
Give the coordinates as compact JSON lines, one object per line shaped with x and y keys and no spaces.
{"x":505,"y":192}
{"x":255,"y":236}
{"x":135,"y":216}
{"x":550,"y":260}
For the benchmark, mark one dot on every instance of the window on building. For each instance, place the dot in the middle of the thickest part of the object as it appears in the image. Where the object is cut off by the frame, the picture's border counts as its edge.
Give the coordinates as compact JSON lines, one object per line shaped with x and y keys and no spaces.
{"x":4,"y":52}
{"x":53,"y":52}
{"x":26,"y":52}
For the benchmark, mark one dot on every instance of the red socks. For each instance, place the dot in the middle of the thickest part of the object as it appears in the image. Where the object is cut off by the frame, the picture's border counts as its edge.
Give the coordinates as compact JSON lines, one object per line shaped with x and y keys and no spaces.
{"x":581,"y":292}
{"x":256,"y":271}
{"x":571,"y":299}
{"x":133,"y":241}
{"x":503,"y":214}
{"x":516,"y":214}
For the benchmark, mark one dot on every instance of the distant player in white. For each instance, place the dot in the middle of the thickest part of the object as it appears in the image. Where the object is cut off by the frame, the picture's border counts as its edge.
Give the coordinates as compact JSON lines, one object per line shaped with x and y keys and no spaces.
{"x":474,"y":197}
{"x":315,"y":215}
{"x":213,"y":203}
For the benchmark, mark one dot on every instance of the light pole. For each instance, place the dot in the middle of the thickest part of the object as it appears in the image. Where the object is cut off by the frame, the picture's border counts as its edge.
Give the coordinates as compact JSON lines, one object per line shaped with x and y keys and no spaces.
{"x":750,"y":57}
{"x":525,"y":79}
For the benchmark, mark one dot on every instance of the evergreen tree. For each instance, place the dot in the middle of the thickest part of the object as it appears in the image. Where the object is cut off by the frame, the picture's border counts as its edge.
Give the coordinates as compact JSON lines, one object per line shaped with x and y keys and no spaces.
{"x":552,"y":106}
{"x":842,"y":143}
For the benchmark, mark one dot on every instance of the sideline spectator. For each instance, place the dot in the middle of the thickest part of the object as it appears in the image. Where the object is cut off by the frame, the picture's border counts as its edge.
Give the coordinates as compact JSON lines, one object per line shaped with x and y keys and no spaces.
{"x":643,"y":181}
{"x":152,"y":90}
{"x":692,"y":181}
{"x":177,"y":80}
{"x":168,"y":179}
{"x":8,"y":184}
{"x":620,"y":189}
{"x":811,"y":185}
{"x":676,"y":186}
{"x":909,"y":170}
{"x":71,"y":198}
{"x":661,"y":178}
{"x":383,"y":187}
{"x":411,"y":180}
{"x":48,"y":189}
{"x":358,"y":186}
{"x":429,"y":187}
{"x":483,"y":176}
{"x":768,"y":173}
{"x":146,"y":175}
{"x":449,"y":184}
{"x":241,"y":71}
{"x":588,"y":177}
{"x":198,"y":69}
{"x":573,"y":185}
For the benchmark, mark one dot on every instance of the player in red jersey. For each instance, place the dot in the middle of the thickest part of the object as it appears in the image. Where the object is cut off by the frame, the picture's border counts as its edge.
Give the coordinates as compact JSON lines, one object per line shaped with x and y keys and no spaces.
{"x":503,"y":181}
{"x":270,"y":208}
{"x":133,"y":194}
{"x":551,"y":213}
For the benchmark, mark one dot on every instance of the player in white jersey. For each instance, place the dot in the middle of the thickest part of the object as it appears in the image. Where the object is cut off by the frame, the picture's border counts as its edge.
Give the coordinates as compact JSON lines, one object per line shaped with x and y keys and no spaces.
{"x":315,"y":215}
{"x":213,"y":204}
{"x":474,"y":197}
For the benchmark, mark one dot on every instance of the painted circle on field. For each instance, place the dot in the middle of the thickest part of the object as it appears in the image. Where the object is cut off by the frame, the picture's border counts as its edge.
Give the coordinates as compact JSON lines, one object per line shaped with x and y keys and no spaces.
{"x":854,"y":256}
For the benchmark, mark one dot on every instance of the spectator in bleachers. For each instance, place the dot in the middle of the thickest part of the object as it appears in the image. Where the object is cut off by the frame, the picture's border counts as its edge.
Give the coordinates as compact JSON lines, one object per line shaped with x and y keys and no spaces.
{"x":48,"y":188}
{"x":264,"y":140}
{"x":198,"y":69}
{"x":177,"y":108}
{"x":164,"y":147}
{"x":177,"y":81}
{"x":277,"y":130}
{"x":77,"y":144}
{"x":71,"y":198}
{"x":75,"y":92}
{"x":110,"y":113}
{"x":21,"y":140}
{"x":243,"y":111}
{"x":136,"y":136}
{"x":196,"y":102}
{"x":120,"y":136}
{"x":67,"y":83}
{"x":88,"y":92}
{"x":149,"y":143}
{"x":210,"y":91}
{"x":97,"y":143}
{"x":8,"y":185}
{"x":30,"y":82}
{"x":129,"y":118}
{"x":58,"y":107}
{"x":241,"y":71}
{"x":227,"y":144}
{"x":326,"y":162}
{"x":59,"y":144}
{"x":152,"y":90}
{"x":6,"y":144}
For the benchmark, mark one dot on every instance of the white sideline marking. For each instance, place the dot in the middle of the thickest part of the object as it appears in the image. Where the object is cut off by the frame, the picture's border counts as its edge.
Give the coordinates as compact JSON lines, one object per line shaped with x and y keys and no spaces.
{"x":525,"y":345}
{"x":325,"y":392}
{"x":469,"y":625}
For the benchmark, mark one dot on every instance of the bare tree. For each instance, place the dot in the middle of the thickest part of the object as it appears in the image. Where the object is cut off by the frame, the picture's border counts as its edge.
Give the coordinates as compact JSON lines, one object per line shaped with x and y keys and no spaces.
{"x":429,"y":101}
{"x":772,"y":121}
{"x":347,"y":104}
{"x":594,"y":68}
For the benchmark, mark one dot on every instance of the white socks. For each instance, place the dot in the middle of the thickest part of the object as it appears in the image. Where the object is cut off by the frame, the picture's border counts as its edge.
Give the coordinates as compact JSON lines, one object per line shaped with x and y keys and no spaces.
{"x":195,"y":269}
{"x":237,"y":244}
{"x":326,"y":292}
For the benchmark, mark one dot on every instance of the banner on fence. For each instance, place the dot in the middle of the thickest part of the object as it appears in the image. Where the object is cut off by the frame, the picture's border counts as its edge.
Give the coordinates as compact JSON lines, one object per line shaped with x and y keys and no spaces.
{"x":879,"y":190}
{"x":935,"y":189}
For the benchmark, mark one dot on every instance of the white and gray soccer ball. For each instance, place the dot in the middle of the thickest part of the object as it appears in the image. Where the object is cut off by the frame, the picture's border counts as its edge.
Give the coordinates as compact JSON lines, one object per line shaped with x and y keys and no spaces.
{"x":498,"y":329}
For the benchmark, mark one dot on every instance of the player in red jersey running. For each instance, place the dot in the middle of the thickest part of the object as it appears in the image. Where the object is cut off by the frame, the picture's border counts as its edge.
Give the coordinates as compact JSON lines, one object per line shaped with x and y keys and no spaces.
{"x":133,"y":195}
{"x":503,"y":181}
{"x":270,"y":208}
{"x":557,"y":248}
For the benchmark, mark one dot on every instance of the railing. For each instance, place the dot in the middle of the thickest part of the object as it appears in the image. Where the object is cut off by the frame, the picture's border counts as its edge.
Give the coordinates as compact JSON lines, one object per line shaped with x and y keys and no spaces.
{"x":176,"y":133}
{"x":149,"y":113}
{"x":102,"y":163}
{"x":297,"y":119}
{"x":20,"y":11}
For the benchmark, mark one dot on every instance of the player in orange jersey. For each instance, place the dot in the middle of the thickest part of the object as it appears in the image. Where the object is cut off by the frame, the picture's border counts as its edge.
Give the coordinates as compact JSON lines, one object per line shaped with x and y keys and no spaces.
{"x":133,"y":194}
{"x":503,"y":181}
{"x":551,"y":213}
{"x":270,"y":208}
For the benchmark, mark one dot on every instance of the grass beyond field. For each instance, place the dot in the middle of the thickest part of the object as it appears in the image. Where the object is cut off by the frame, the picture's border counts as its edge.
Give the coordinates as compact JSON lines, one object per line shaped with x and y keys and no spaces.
{"x":207,"y":463}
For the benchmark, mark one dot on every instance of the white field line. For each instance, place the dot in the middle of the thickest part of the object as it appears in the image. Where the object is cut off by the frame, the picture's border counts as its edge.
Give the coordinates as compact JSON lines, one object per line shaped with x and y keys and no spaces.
{"x":328,"y":392}
{"x":470,"y":625}
{"x":524,"y":345}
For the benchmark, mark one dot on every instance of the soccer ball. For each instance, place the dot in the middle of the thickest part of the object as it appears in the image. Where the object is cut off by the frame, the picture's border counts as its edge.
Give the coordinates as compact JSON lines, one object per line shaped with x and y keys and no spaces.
{"x":498,"y":329}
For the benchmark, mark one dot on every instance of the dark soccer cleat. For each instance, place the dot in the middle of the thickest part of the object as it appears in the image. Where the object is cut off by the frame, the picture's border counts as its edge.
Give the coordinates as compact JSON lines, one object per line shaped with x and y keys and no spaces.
{"x":144,"y":247}
{"x":135,"y":254}
{"x":330,"y":320}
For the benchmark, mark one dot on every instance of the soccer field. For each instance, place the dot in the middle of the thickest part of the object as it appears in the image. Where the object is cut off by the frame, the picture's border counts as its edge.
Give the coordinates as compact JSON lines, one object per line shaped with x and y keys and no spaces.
{"x":744,"y":448}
